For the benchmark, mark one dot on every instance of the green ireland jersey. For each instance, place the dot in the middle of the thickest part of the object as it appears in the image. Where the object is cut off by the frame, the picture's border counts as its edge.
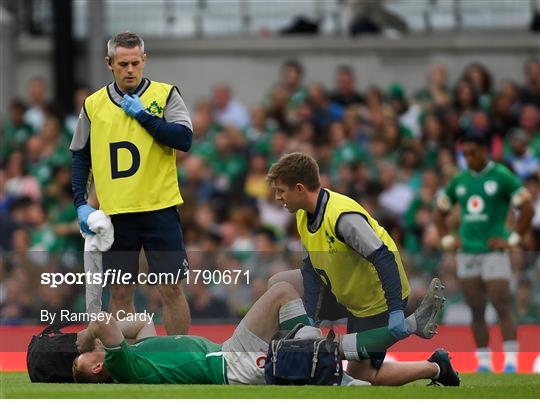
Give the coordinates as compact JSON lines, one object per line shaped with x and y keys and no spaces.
{"x":167,"y":359}
{"x":484,"y":198}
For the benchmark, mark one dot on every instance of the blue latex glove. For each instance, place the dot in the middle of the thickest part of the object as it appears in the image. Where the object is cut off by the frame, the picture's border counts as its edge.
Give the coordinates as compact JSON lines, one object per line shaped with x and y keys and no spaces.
{"x":83,"y":212}
{"x":396,"y":324}
{"x":132,"y":105}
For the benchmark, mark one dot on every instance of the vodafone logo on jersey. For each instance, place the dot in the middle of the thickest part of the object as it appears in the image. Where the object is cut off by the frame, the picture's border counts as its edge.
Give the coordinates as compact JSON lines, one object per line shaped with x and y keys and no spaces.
{"x":261,"y":361}
{"x":475,"y":205}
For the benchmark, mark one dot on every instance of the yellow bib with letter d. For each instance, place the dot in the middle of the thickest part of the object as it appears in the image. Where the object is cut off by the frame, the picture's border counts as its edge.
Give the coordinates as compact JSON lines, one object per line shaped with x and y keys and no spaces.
{"x":132,"y":171}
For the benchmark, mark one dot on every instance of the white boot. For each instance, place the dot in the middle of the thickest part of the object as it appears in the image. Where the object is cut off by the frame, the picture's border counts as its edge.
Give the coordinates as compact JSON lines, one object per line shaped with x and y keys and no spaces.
{"x":351,"y":381}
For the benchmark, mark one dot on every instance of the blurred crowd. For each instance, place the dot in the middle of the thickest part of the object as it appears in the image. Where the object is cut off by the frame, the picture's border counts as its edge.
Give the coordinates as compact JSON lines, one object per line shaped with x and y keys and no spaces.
{"x":390,"y":150}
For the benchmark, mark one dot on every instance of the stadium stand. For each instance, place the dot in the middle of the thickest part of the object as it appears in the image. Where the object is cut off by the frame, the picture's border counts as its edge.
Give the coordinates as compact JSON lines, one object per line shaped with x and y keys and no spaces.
{"x":389,"y":149}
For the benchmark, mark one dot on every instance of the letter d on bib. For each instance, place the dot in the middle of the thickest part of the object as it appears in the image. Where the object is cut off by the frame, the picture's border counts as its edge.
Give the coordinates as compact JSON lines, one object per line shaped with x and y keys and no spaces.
{"x":135,"y":157}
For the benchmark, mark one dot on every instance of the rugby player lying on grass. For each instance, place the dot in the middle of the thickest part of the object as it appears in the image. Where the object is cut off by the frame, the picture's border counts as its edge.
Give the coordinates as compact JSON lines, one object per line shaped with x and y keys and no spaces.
{"x":185,"y":359}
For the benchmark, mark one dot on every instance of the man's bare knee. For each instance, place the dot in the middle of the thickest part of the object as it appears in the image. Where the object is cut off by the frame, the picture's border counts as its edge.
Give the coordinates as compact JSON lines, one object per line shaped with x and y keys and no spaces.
{"x":122,"y":293}
{"x":284,"y":291}
{"x":276,"y":278}
{"x":122,"y":298}
{"x":170,"y":293}
{"x":293,"y":277}
{"x":502,"y":307}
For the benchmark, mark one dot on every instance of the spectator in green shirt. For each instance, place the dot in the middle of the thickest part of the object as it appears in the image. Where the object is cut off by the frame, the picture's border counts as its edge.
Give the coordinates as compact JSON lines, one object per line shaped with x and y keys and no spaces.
{"x":16,"y":130}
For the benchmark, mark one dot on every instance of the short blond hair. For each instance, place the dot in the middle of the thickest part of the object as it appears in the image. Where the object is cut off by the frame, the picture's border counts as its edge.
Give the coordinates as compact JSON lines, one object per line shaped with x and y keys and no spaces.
{"x":81,"y":376}
{"x":294,"y":168}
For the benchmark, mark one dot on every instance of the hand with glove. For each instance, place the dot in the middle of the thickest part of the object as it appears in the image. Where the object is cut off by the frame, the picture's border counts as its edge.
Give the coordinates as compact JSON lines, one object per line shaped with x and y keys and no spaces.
{"x":396,"y":324}
{"x":83,"y":212}
{"x":132,"y":105}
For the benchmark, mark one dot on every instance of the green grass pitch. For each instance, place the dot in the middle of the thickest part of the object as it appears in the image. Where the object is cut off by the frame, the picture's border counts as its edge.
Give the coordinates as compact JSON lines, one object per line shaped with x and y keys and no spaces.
{"x":17,"y":385}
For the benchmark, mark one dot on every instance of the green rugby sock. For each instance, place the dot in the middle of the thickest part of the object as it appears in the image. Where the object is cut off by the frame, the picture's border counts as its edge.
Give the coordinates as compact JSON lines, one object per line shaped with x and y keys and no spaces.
{"x":292,"y":313}
{"x":356,"y":346}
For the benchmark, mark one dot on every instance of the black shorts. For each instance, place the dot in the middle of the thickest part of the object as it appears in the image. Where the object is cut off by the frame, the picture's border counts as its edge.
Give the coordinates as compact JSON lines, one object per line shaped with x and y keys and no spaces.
{"x":331,"y":309}
{"x":159,"y":233}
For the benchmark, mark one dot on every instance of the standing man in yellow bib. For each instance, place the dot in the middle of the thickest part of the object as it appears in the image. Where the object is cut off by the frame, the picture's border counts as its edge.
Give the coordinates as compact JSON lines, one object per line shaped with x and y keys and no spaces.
{"x":352,"y":269}
{"x":126,"y":137}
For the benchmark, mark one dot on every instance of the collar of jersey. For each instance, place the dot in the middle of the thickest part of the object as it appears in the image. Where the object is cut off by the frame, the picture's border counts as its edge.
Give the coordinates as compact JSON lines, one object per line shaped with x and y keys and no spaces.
{"x":116,"y":95}
{"x":314,"y":220}
{"x":488,"y":167}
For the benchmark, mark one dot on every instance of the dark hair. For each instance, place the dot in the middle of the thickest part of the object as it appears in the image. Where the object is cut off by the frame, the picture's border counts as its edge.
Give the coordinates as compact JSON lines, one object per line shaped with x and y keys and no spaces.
{"x":268,"y":233}
{"x":18,"y":104}
{"x":346,"y":69}
{"x":294,"y":64}
{"x":486,"y":76}
{"x":295,"y":168}
{"x":20,"y":203}
{"x":472,"y":137}
{"x":532,"y":178}
{"x":531,"y":60}
{"x":457,"y":101}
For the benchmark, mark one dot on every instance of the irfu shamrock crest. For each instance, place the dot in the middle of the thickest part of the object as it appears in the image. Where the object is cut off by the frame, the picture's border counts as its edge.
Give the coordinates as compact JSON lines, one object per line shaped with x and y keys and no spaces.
{"x":154,"y":108}
{"x":330,"y":240}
